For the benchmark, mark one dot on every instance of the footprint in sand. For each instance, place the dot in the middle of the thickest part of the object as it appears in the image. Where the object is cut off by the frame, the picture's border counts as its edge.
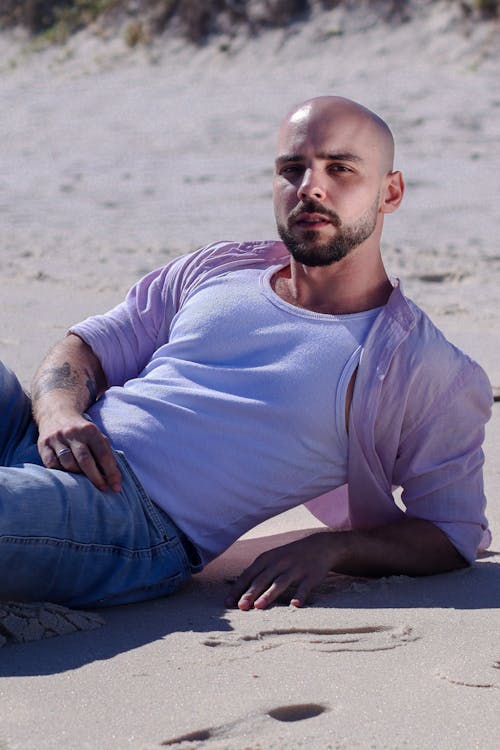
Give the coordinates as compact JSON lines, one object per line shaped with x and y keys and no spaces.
{"x":22,"y":622}
{"x":473,"y":675}
{"x":365,"y":638}
{"x":287,"y":713}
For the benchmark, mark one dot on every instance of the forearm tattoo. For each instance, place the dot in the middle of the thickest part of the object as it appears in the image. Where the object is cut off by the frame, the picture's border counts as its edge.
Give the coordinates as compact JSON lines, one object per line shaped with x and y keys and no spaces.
{"x":91,"y":387}
{"x":63,"y":378}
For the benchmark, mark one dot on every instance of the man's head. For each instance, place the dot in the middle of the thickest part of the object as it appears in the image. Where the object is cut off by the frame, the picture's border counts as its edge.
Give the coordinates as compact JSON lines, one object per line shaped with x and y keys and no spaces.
{"x":334,"y":179}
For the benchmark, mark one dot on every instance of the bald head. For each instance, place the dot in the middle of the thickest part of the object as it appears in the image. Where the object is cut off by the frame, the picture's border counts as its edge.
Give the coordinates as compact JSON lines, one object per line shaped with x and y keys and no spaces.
{"x":334,"y":180}
{"x":353,"y":122}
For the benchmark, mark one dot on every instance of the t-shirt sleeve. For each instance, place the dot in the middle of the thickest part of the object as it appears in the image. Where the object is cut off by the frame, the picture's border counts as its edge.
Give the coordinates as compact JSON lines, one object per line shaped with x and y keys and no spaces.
{"x":125,"y":338}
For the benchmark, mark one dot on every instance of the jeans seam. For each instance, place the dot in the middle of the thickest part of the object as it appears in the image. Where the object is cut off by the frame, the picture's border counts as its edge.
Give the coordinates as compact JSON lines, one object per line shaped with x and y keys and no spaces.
{"x":145,"y":499}
{"x":156,"y":517}
{"x":109,"y":549}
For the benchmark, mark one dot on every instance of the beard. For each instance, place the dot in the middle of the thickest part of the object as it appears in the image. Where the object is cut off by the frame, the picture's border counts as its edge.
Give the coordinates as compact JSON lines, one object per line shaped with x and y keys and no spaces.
{"x":309,"y":251}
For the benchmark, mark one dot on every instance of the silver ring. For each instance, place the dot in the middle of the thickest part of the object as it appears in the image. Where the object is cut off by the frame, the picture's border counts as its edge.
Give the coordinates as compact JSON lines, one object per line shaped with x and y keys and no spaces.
{"x":63,"y":452}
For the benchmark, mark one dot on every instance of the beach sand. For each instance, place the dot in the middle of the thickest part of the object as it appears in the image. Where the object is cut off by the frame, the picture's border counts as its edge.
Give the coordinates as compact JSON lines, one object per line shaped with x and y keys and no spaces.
{"x":115,"y":160}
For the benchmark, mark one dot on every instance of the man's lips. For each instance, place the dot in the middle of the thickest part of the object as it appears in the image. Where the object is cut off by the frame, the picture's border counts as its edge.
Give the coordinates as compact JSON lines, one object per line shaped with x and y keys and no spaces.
{"x":310,"y":215}
{"x":312,"y":220}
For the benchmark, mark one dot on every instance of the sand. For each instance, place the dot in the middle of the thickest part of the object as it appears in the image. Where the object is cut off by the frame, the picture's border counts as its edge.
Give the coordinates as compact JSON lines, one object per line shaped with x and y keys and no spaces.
{"x":115,"y":160}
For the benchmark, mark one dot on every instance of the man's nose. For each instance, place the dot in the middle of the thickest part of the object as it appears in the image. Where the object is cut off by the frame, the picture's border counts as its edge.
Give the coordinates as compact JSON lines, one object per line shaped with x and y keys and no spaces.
{"x":311,"y":186}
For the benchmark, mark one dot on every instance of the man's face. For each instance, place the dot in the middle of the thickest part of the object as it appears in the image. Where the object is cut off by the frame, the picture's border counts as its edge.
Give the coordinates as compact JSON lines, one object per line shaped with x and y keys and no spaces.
{"x":307,"y":245}
{"x":327,"y":185}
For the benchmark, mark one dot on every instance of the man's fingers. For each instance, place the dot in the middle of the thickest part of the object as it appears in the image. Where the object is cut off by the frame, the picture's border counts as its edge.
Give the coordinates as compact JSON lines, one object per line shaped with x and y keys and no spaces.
{"x":302,"y":564}
{"x":262,"y":596}
{"x":49,"y":457}
{"x":65,"y":458}
{"x":259,"y":590}
{"x":97,"y":462}
{"x":269,"y":595}
{"x":303,"y":593}
{"x":241,"y":594}
{"x":278,"y":587}
{"x":93,"y":457}
{"x":87,"y":465}
{"x":74,"y":443}
{"x":259,"y":596}
{"x":106,"y":461}
{"x":111,"y":472}
{"x":242,"y":583}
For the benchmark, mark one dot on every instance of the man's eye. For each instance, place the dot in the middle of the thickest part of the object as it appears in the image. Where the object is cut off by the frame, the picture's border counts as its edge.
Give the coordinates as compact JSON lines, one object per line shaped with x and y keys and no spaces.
{"x":290,"y":169}
{"x":339,"y":168}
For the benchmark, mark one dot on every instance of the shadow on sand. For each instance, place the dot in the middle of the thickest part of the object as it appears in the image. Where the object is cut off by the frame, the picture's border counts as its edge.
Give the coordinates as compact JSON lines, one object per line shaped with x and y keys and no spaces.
{"x":200,"y":608}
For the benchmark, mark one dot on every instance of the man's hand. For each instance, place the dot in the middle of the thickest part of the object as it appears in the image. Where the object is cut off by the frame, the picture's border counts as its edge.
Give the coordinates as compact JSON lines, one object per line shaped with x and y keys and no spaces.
{"x":411,"y":546}
{"x":73,"y":443}
{"x":302,"y":564}
{"x":68,"y":381}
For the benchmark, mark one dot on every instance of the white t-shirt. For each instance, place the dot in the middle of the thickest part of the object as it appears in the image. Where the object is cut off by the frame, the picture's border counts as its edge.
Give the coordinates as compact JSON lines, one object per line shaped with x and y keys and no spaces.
{"x":236,"y":409}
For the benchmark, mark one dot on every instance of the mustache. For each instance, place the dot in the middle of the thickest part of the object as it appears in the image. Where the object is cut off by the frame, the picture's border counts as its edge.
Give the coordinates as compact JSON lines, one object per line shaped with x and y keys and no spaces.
{"x":311,"y":207}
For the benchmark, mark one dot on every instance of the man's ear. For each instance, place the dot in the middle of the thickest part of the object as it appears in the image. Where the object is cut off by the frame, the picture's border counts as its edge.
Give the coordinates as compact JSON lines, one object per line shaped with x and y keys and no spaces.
{"x":393,"y":192}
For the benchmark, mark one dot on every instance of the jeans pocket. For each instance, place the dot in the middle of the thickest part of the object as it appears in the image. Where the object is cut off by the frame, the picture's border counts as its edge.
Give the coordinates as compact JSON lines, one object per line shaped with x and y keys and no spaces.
{"x":172,"y":555}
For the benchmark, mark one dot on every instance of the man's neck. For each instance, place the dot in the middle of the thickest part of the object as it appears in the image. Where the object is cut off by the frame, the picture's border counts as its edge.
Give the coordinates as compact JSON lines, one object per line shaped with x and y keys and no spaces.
{"x":352,"y":285}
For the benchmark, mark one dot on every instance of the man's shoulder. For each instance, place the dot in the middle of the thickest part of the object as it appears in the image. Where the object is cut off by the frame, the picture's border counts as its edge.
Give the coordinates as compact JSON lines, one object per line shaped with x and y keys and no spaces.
{"x":430,"y":361}
{"x":256,"y":250}
{"x":185,"y":273}
{"x":428,"y":338}
{"x":417,"y":329}
{"x":225,"y":257}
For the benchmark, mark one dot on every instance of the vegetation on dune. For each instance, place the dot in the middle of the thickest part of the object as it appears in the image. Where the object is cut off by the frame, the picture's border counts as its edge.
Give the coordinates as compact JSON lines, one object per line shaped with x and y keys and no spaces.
{"x":195,"y":20}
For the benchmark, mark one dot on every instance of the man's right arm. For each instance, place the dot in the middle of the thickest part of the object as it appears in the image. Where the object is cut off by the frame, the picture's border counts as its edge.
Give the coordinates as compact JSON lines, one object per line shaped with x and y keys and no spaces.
{"x":68,"y":381}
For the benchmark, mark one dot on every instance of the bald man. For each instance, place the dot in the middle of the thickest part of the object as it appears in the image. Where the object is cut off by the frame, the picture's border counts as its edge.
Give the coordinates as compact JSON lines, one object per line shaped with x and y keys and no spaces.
{"x":240,"y":381}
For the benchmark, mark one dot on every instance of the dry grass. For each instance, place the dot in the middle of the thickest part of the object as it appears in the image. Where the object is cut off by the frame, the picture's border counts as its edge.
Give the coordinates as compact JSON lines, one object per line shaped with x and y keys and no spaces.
{"x":196,"y":20}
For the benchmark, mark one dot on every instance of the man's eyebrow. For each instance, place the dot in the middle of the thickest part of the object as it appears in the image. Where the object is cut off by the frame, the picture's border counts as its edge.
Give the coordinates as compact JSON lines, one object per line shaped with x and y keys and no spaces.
{"x":339,"y":156}
{"x":327,"y":156}
{"x":286,"y":158}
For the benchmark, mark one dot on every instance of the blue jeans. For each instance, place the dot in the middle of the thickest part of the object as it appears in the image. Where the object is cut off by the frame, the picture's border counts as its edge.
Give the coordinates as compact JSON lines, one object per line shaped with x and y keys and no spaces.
{"x":65,"y":541}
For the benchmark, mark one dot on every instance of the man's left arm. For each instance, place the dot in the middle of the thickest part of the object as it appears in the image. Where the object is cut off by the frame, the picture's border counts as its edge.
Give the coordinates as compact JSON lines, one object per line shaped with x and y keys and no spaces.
{"x":411,"y":547}
{"x":440,"y":469}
